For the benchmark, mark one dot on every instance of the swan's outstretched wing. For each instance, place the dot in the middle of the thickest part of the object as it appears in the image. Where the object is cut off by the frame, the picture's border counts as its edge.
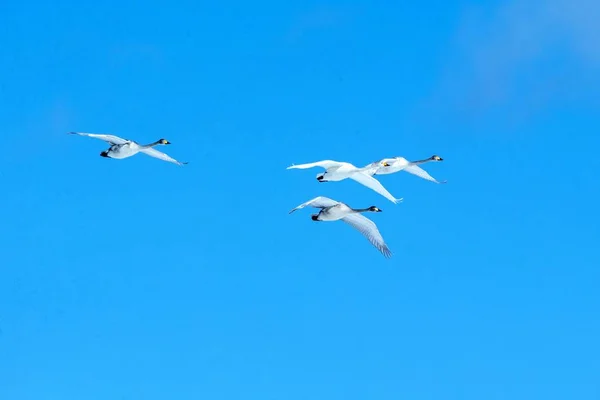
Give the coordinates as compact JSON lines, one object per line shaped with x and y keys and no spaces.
{"x":112,"y":139}
{"x":325,"y":164}
{"x":421,"y":173}
{"x":373,"y":184}
{"x":371,"y":169}
{"x":317,"y":202}
{"x":157,"y":154}
{"x":369,"y":230}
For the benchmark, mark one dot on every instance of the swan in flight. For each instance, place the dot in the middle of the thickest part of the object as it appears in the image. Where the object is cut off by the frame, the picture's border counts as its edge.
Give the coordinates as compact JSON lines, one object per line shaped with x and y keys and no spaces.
{"x":332,"y":210}
{"x":123,"y":148}
{"x":338,"y":171}
{"x":396,"y":164}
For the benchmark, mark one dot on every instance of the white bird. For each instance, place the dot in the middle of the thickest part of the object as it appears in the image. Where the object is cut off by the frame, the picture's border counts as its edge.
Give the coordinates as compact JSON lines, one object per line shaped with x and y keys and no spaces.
{"x":338,"y":171}
{"x":124,"y":148}
{"x":332,"y":210}
{"x":396,"y":164}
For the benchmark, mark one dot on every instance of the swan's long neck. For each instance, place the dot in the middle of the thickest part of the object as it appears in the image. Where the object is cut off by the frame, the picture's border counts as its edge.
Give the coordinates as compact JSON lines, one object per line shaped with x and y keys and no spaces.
{"x":147,"y":146}
{"x":421,"y":161}
{"x":360,"y":210}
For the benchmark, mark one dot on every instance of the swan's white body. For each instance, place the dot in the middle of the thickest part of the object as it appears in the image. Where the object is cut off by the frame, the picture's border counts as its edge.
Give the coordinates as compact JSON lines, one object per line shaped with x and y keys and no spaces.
{"x":332,"y":210}
{"x":397,"y":164}
{"x":124,"y":148}
{"x":338,"y":171}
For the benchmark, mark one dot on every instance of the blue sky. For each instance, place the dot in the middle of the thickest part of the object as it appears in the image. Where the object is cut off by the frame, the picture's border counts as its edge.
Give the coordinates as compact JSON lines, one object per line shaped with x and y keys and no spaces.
{"x":139,"y":279}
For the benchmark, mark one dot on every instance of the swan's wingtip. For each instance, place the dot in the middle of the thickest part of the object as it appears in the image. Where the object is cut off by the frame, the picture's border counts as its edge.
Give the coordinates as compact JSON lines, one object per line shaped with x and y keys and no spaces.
{"x":387,"y":253}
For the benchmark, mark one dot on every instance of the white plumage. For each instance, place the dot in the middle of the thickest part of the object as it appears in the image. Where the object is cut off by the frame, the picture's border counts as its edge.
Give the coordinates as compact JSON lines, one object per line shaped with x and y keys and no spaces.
{"x":332,"y":210}
{"x":123,"y":148}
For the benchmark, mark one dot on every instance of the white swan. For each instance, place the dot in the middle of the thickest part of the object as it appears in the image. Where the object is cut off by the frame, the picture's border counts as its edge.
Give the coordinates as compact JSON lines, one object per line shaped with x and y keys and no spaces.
{"x":397,"y":164}
{"x":124,"y":148}
{"x":332,"y":210}
{"x":338,"y":171}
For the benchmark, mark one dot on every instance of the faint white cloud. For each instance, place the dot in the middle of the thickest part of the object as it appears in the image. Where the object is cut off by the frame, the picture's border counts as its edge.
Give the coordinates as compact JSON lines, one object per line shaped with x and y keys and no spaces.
{"x":544,"y":49}
{"x":581,"y":20}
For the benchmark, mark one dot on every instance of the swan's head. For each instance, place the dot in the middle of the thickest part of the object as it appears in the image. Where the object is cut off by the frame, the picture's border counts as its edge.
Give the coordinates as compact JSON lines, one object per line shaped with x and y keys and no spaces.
{"x":387,"y":162}
{"x":164,"y":141}
{"x":436,"y":158}
{"x":374,"y":209}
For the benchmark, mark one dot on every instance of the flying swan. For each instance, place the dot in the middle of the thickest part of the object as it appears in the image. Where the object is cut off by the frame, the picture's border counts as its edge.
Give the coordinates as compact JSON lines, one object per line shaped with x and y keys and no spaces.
{"x":397,"y":164}
{"x":332,"y":210}
{"x":124,"y":148}
{"x":338,"y":171}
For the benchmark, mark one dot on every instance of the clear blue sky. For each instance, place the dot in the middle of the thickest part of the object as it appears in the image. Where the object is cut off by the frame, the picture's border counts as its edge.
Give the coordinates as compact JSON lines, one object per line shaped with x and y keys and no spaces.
{"x":139,"y":279}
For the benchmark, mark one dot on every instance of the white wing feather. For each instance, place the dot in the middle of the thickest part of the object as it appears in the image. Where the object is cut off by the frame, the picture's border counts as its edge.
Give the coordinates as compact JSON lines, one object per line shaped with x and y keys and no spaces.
{"x":421,"y":173}
{"x":112,"y":139}
{"x":369,"y":230}
{"x":157,"y":154}
{"x":373,"y":184}
{"x":317,"y":202}
{"x":371,"y":169}
{"x":325,"y":164}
